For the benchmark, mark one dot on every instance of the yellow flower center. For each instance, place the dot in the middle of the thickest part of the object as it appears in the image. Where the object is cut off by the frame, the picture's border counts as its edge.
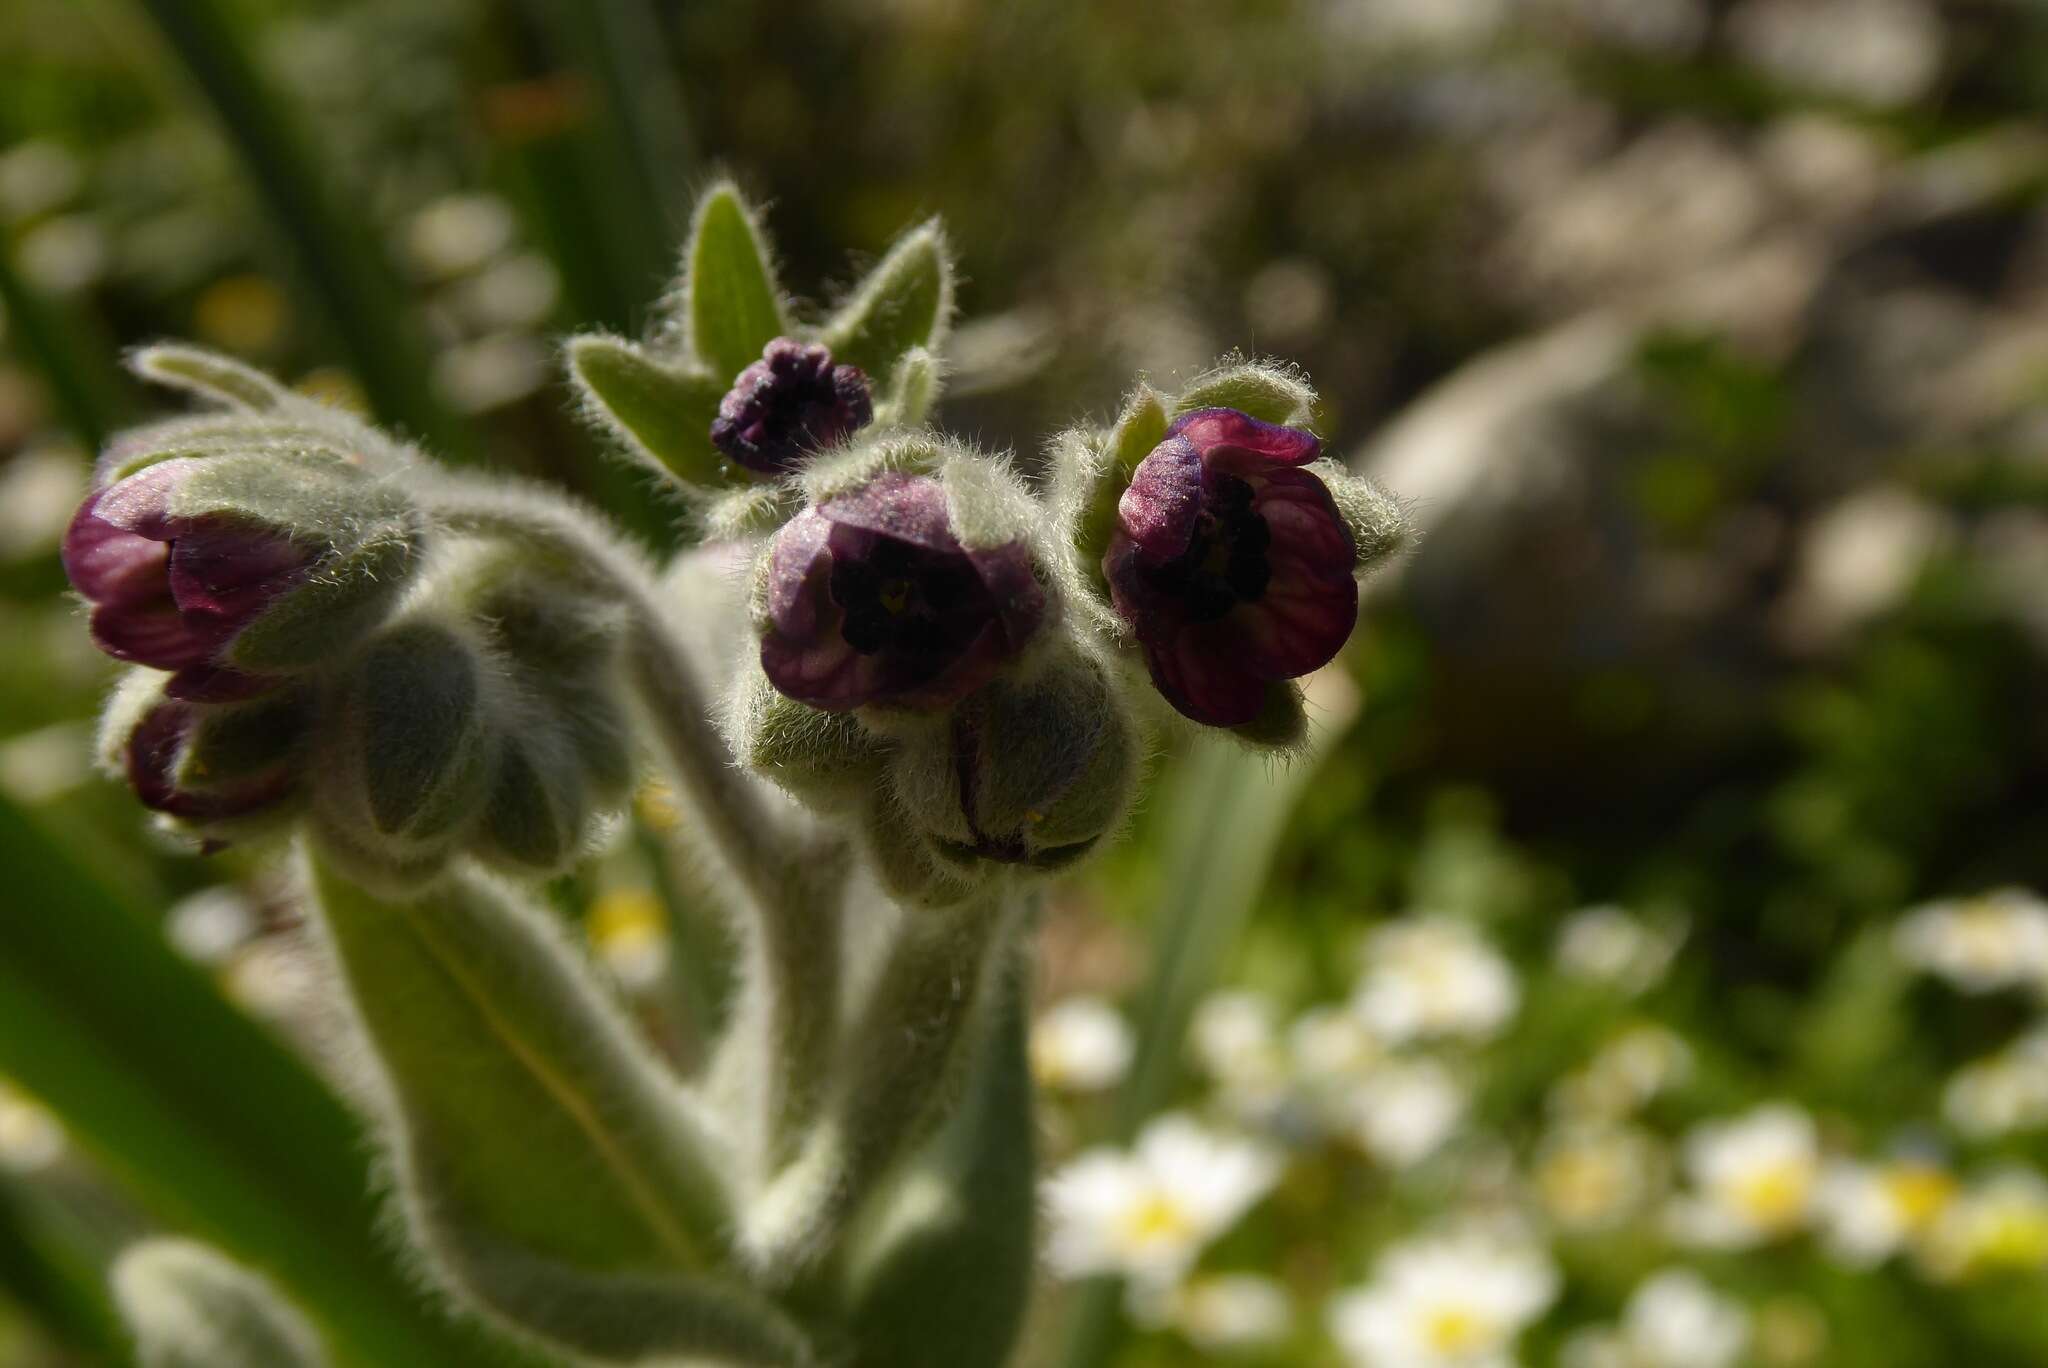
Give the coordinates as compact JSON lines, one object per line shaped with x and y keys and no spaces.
{"x":1455,"y":1330}
{"x":1154,"y":1221}
{"x":1918,"y":1191}
{"x":1775,"y":1195}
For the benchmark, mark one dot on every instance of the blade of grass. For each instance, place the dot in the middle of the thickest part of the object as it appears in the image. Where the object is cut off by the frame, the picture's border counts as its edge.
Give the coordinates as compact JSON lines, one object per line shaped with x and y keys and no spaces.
{"x":209,"y":1122}
{"x":338,"y":259}
{"x":1223,"y":826}
{"x":55,"y":1283}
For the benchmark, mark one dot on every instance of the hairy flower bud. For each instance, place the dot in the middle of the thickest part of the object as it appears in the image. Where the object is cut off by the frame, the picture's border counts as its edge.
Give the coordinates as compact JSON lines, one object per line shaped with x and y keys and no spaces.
{"x":1231,"y":565}
{"x":789,"y":404}
{"x":872,"y":599}
{"x":1030,"y":771}
{"x":217,"y":770}
{"x":228,"y":570}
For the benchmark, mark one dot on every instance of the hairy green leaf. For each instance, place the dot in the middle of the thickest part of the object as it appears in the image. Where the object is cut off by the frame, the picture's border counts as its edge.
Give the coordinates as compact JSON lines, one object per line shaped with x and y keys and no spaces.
{"x":732,"y":305}
{"x":905,"y":302}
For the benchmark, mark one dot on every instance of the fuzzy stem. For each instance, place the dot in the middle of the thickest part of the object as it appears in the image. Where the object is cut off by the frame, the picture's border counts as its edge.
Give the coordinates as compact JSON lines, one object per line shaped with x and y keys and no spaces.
{"x":898,"y":1075}
{"x":792,"y":883}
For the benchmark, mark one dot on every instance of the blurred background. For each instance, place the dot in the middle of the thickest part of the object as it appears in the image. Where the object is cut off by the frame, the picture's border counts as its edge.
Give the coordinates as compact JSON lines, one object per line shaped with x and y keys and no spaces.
{"x":1656,"y":916}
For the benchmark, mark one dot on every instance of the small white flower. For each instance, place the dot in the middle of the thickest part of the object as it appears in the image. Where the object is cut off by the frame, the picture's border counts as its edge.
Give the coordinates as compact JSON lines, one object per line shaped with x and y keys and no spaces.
{"x":458,"y":233}
{"x":1231,"y":1312}
{"x":40,"y":765}
{"x":1080,"y":1045}
{"x":2002,"y":1092}
{"x":1404,"y":1111}
{"x":1673,"y":1320}
{"x":31,"y":1137}
{"x":1457,"y":1301}
{"x":210,"y":925}
{"x":493,"y":370}
{"x":1982,"y":944}
{"x":1628,"y":1072}
{"x":1999,"y":1224}
{"x":1235,"y":1040}
{"x":1148,"y":1212}
{"x":1612,"y":945}
{"x":1753,"y":1178}
{"x":39,"y":491}
{"x":1433,"y":976}
{"x":1595,"y":1176}
{"x":1871,"y":1211}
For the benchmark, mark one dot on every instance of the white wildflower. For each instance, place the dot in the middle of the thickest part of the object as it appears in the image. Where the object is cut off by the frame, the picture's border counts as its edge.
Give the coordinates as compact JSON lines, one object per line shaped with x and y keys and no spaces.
{"x":1753,"y":1178}
{"x":1433,"y":976}
{"x":1403,"y":1111}
{"x":1149,"y":1211}
{"x":1456,"y":1301}
{"x":1673,"y":1320}
{"x":1080,"y":1045}
{"x":1614,"y":946}
{"x":1870,"y":1211}
{"x":1982,"y":944}
{"x":2000,"y":1223}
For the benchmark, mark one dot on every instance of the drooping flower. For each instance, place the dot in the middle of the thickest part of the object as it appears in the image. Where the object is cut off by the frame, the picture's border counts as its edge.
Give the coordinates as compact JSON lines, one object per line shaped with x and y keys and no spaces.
{"x":172,"y":591}
{"x":872,"y":599}
{"x":789,"y":404}
{"x":1231,"y":564}
{"x":1454,"y":1301}
{"x":1147,"y":1213}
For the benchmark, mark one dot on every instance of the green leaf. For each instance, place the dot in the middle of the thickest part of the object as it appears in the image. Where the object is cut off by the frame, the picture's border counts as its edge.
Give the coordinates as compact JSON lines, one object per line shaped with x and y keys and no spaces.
{"x":913,"y":389}
{"x":905,"y":302}
{"x":88,"y":991}
{"x":1096,"y":470}
{"x":661,"y":412}
{"x":554,"y":1171}
{"x":1267,"y":393}
{"x":210,"y":376}
{"x":945,"y":1276}
{"x":190,"y":1307}
{"x":732,"y":305}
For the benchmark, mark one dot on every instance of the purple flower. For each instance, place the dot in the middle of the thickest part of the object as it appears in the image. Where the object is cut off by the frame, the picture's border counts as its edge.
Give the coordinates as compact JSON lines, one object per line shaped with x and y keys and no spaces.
{"x":790,"y":403}
{"x":1232,"y":566}
{"x":151,"y":758}
{"x":872,"y":599}
{"x":172,"y":592}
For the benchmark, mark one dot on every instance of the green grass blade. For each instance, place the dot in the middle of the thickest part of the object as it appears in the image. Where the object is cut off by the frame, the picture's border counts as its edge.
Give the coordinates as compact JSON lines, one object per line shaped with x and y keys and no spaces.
{"x":339,"y":262}
{"x":206,"y":1120}
{"x":85,"y":387}
{"x":1228,"y":815}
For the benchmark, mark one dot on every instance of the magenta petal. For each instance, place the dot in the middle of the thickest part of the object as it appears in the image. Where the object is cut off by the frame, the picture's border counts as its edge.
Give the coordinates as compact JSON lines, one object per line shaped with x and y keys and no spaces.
{"x":152,"y":633}
{"x":108,"y":564}
{"x":798,"y":562}
{"x":909,"y":508}
{"x":153,"y":753}
{"x":1018,"y":597}
{"x":1298,"y":626}
{"x":822,"y":671}
{"x":1158,"y":509}
{"x":1222,"y":433}
{"x":142,"y":502}
{"x":1202,"y":676}
{"x":1307,"y":530}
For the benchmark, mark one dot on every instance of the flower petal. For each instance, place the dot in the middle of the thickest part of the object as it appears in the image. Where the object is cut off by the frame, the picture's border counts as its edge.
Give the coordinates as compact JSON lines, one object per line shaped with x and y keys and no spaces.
{"x":910,"y":508}
{"x":1201,"y":673}
{"x":109,"y":564}
{"x":1158,"y":510}
{"x":230,"y":573}
{"x":1240,"y":441}
{"x":152,"y":633}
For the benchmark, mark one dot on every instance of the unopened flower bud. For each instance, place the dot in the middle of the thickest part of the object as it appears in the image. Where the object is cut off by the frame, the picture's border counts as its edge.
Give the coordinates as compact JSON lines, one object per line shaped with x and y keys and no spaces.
{"x":228,"y":570}
{"x":789,"y":404}
{"x":218,"y":770}
{"x":404,"y":753}
{"x":872,"y":599}
{"x":1231,"y":564}
{"x":1030,"y":771}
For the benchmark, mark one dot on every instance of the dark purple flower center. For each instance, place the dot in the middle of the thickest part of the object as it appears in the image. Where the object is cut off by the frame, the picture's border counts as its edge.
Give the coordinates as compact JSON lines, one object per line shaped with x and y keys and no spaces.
{"x":1225,"y":563}
{"x":908,"y":600}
